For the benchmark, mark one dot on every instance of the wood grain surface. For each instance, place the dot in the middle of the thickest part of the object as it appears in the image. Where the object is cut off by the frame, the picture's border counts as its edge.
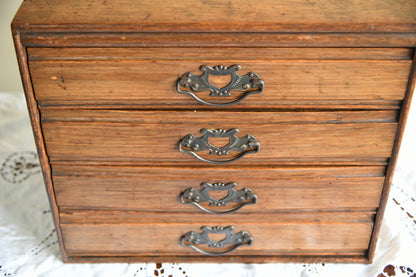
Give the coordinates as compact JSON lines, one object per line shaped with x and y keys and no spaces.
{"x":216,"y":15}
{"x":215,"y":39}
{"x":100,"y":77}
{"x":223,"y":53}
{"x":328,"y":234}
{"x":153,"y":82}
{"x":230,"y":258}
{"x":267,"y":173}
{"x":138,"y":217}
{"x":277,"y":189}
{"x":218,"y":117}
{"x":411,"y":87}
{"x":153,"y":143}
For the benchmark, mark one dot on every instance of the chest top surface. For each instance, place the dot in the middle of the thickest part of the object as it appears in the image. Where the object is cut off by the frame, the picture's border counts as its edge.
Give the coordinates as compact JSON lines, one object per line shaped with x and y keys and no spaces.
{"x":220,"y":16}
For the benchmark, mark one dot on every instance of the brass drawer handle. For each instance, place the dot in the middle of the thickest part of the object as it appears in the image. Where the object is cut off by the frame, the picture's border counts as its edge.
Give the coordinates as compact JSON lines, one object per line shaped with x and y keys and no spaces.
{"x":191,"y":84}
{"x":244,"y":145}
{"x":242,"y":197}
{"x":192,"y":239}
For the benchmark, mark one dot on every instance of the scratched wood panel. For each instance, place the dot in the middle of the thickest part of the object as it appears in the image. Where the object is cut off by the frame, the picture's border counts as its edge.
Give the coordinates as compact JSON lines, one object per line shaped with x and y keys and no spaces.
{"x":154,"y":82}
{"x":220,"y":116}
{"x":223,"y":53}
{"x":158,"y":188}
{"x":215,"y":39}
{"x":157,"y":142}
{"x":267,"y":173}
{"x":161,"y":193}
{"x":216,"y":15}
{"x":138,"y":217}
{"x":331,"y":235}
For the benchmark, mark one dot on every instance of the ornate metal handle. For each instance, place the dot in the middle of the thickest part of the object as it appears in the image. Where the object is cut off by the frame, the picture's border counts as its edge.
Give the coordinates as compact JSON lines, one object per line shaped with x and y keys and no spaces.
{"x":248,"y":84}
{"x":191,"y":239}
{"x":243,"y":197}
{"x":247,"y":144}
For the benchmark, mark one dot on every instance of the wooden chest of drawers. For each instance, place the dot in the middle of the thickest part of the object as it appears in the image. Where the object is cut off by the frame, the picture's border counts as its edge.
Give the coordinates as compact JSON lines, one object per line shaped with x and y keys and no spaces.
{"x":217,"y":131}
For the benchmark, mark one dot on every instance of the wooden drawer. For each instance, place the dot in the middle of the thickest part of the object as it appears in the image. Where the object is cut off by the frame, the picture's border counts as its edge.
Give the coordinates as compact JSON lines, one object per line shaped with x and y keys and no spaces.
{"x":147,"y":76}
{"x":277,"y":189}
{"x":144,"y":137}
{"x":128,"y":234}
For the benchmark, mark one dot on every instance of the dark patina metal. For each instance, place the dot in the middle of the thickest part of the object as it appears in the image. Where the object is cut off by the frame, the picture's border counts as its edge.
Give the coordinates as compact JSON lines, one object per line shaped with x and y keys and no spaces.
{"x":242,"y":197}
{"x":191,"y":239}
{"x":192,"y":84}
{"x":191,"y":144}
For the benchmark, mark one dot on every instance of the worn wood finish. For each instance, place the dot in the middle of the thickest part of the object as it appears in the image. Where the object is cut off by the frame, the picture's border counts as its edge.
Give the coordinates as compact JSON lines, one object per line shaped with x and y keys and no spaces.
{"x":99,"y":80}
{"x":281,"y":105}
{"x":115,"y":82}
{"x":284,"y":258}
{"x":282,"y":189}
{"x":327,"y":234}
{"x":132,"y":239}
{"x":270,"y":172}
{"x":153,"y":143}
{"x":225,"y":54}
{"x":411,"y":87}
{"x":34,"y":116}
{"x":206,"y":16}
{"x":215,"y":39}
{"x":161,"y":195}
{"x":236,"y":117}
{"x":137,"y":217}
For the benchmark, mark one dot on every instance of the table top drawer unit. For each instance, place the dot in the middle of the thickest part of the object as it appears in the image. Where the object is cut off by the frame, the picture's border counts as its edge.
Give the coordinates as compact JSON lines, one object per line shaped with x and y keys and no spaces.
{"x":219,"y":131}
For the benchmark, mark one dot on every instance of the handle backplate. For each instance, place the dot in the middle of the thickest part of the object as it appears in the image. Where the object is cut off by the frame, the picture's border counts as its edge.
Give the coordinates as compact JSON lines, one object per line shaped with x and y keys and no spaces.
{"x":244,"y":145}
{"x":193,"y":239}
{"x":191,"y":84}
{"x":196,"y":197}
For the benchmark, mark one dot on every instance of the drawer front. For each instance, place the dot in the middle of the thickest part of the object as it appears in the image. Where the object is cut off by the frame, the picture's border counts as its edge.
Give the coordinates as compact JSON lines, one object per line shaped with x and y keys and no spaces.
{"x":303,"y":234}
{"x":148,"y":76}
{"x":163,"y":189}
{"x":154,"y":137}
